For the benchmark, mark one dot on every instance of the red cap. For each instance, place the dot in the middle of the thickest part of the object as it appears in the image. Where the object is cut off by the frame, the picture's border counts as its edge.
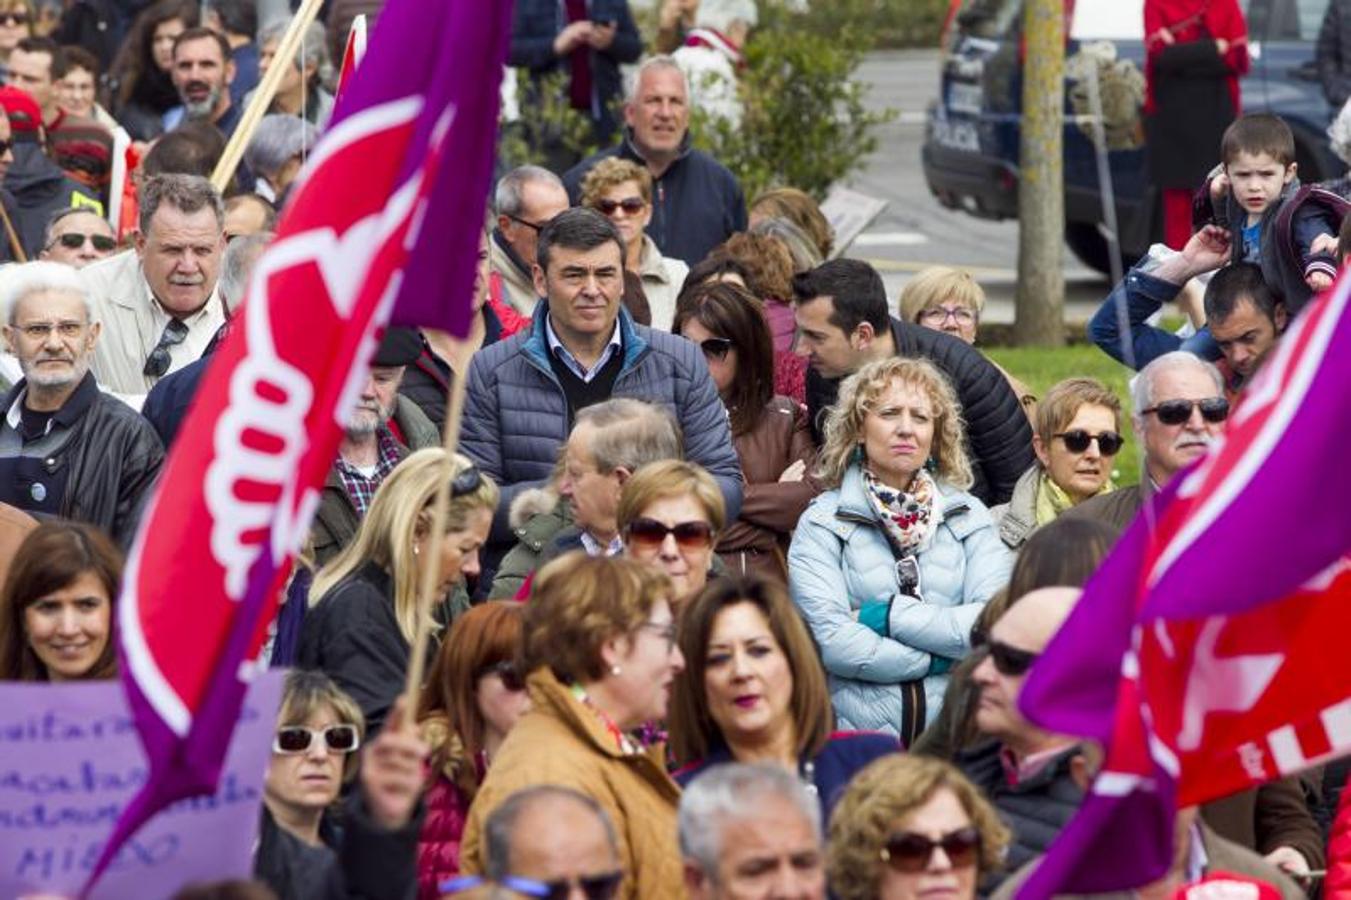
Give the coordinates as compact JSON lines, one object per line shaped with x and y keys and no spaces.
{"x":1227,"y":886}
{"x":24,"y":113}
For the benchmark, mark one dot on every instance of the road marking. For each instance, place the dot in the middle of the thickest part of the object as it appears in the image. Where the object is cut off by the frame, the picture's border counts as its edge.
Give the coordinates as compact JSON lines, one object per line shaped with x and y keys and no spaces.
{"x":891,"y":239}
{"x":910,"y":118}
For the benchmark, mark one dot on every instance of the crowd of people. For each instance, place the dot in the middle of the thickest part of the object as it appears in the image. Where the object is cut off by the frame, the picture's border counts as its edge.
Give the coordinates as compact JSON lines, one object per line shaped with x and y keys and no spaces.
{"x":745,"y":562}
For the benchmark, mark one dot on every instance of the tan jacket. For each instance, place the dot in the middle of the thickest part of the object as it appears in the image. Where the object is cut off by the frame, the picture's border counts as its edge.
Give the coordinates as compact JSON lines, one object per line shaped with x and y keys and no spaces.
{"x":663,"y":277}
{"x":561,"y":742}
{"x":518,"y":288}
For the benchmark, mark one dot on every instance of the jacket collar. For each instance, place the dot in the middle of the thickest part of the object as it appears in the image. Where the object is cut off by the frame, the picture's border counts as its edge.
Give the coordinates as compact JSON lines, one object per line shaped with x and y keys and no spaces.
{"x":1021,"y":515}
{"x":510,"y":253}
{"x":630,"y":149}
{"x":853,"y":502}
{"x":536,"y":346}
{"x":553,"y":698}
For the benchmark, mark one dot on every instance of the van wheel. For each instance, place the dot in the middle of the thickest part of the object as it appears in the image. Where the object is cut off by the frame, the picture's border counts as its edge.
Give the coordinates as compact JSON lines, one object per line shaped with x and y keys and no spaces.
{"x":1088,"y":244}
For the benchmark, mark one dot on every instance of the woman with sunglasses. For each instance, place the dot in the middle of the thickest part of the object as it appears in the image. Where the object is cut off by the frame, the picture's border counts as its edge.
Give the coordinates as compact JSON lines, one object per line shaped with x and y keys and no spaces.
{"x":891,"y":568}
{"x":57,"y":605}
{"x":364,"y":603}
{"x":473,"y":698}
{"x":600,"y":647}
{"x":301,"y":852}
{"x":769,"y":431}
{"x":909,"y":828}
{"x":754,"y":691}
{"x":1076,"y":436}
{"x":16,"y":23}
{"x":621,"y":190}
{"x":670,"y":515}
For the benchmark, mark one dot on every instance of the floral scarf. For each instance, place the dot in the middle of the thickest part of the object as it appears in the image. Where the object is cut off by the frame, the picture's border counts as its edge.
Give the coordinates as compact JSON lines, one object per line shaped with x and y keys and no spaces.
{"x":908,"y":516}
{"x":622,"y":741}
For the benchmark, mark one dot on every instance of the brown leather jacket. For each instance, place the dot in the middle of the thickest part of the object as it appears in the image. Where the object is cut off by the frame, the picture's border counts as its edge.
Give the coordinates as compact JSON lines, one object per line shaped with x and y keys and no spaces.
{"x":770,"y":509}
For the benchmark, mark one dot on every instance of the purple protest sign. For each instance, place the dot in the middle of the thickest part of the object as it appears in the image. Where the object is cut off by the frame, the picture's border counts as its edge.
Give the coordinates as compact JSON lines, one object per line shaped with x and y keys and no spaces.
{"x":70,"y":759}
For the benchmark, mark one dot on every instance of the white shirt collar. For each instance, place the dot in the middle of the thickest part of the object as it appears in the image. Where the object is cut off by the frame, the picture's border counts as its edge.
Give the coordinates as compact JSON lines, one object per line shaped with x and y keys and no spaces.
{"x":556,"y":347}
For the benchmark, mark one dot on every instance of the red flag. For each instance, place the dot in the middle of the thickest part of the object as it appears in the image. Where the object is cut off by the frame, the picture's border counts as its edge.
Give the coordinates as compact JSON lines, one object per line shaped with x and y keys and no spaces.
{"x":352,"y":53}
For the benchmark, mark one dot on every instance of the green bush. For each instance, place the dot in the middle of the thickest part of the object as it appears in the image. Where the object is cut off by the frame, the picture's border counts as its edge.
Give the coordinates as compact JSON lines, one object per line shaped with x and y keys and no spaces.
{"x":891,"y":23}
{"x":550,"y":132}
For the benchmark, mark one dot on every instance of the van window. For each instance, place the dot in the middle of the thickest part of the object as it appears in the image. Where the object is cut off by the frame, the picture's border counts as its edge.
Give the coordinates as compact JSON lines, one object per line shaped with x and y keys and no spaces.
{"x":1295,"y":20}
{"x":992,"y":19}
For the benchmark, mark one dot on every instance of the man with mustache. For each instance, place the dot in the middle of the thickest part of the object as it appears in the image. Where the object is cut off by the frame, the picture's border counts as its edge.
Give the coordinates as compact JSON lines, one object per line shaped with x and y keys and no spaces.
{"x":159,"y":306}
{"x":66,"y":448}
{"x":380,"y":431}
{"x":202,"y":73}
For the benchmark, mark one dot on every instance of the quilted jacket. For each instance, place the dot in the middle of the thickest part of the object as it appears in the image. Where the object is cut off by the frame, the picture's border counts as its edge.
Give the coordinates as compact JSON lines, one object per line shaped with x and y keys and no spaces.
{"x":840,"y":558}
{"x":561,"y":742}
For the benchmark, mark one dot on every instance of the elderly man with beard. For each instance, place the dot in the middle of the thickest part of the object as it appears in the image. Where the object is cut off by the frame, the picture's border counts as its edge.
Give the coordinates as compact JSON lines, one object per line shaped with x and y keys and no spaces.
{"x":381,"y":430}
{"x":66,"y":448}
{"x":202,"y":72}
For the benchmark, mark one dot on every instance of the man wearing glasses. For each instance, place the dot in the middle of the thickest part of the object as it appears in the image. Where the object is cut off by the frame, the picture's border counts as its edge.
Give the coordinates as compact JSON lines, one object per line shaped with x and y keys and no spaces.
{"x":526,"y":198}
{"x":159,"y":306}
{"x":66,"y":448}
{"x":78,"y":237}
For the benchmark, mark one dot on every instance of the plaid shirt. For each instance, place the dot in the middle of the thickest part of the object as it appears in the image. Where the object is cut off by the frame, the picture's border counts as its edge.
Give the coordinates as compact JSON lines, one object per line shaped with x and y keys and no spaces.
{"x":361,"y":489}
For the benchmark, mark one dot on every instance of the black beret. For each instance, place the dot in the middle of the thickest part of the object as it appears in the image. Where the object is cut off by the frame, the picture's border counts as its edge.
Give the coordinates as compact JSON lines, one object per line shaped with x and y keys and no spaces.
{"x":400,"y":347}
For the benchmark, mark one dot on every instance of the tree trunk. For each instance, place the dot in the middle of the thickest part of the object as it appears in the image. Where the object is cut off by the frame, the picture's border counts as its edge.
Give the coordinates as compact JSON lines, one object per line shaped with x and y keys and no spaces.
{"x":1039,"y":305}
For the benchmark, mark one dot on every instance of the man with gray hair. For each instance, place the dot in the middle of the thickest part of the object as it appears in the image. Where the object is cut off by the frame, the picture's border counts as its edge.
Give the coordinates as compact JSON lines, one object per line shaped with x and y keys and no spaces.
{"x":159,"y":306}
{"x":301,"y":92}
{"x":66,"y":448}
{"x":275,"y":152}
{"x":1179,"y":410}
{"x":751,"y":831}
{"x":525,"y":200}
{"x":609,"y":442}
{"x":696,"y":202}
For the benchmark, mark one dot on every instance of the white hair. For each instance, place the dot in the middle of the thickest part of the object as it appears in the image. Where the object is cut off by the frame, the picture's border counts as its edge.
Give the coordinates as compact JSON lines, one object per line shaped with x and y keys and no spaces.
{"x":1339,"y":133}
{"x":1142,"y":387}
{"x":730,"y":793}
{"x":660,"y":61}
{"x":508,"y":199}
{"x":25,"y":279}
{"x":721,"y":14}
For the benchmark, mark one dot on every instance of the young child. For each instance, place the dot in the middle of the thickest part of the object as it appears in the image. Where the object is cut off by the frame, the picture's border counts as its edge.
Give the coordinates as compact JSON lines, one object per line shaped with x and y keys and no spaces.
{"x":1259,"y":175}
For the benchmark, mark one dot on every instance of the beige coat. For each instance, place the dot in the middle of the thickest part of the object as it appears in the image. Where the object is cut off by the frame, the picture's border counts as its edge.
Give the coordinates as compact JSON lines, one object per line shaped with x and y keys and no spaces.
{"x":518,"y":288}
{"x":663,"y":277}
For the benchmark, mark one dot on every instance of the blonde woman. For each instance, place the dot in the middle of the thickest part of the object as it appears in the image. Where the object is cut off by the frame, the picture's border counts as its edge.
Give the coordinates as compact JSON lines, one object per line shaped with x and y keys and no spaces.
{"x":892,"y":566}
{"x":621,"y":190}
{"x":363,"y":603}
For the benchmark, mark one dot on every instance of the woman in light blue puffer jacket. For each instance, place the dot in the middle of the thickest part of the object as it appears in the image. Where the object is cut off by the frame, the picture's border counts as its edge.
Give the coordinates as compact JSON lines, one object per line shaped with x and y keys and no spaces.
{"x":892,"y":567}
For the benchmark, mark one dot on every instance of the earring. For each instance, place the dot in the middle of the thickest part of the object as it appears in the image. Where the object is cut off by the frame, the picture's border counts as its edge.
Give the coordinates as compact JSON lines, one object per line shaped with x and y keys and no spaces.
{"x":931,"y":465}
{"x":615,"y":670}
{"x":415,"y":549}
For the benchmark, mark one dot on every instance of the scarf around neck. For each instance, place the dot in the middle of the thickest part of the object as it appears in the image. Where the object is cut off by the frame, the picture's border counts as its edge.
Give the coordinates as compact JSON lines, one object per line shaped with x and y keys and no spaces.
{"x":908,"y":516}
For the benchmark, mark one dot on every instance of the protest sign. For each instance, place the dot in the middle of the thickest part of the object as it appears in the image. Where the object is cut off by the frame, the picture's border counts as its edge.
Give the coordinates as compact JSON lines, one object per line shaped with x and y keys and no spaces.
{"x":70,"y":759}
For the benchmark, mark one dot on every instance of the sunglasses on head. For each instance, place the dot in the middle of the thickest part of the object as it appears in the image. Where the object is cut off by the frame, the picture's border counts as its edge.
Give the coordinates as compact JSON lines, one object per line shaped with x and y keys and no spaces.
{"x":465,"y":483}
{"x":630,"y":205}
{"x":651,"y":533}
{"x":505,"y":670}
{"x":1077,"y":441}
{"x":909,"y":853}
{"x":715,"y":347}
{"x":298,"y":739}
{"x":593,"y":887}
{"x":1174,"y":412}
{"x":1009,"y":660}
{"x":74,"y":240}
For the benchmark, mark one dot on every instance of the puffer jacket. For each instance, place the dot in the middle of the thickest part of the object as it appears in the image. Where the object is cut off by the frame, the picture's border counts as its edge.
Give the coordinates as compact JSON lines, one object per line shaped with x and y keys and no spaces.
{"x":561,"y":742}
{"x":438,"y":849}
{"x":516,"y":415}
{"x":1017,"y":519}
{"x":840,"y":558}
{"x":998,"y":436}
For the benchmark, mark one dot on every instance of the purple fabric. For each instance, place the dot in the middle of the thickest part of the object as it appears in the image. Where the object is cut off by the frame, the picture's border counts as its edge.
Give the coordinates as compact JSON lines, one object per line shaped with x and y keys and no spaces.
{"x":782,"y":326}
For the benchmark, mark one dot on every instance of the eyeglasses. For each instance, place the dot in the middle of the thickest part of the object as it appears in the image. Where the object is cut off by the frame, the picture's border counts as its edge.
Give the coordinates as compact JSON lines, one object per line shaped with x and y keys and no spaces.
{"x":651,"y":533}
{"x":938,"y":315}
{"x":909,"y":853}
{"x":716,"y":348}
{"x":295,"y":739}
{"x":1009,"y":660}
{"x":40,"y":331}
{"x":466,"y":482}
{"x":667,"y":631}
{"x":519,"y":221}
{"x":74,"y":240}
{"x":1175,"y":412}
{"x":13,"y":18}
{"x":505,"y":670}
{"x":630,"y":205}
{"x":1077,"y":441}
{"x":593,"y":887}
{"x":157,"y":363}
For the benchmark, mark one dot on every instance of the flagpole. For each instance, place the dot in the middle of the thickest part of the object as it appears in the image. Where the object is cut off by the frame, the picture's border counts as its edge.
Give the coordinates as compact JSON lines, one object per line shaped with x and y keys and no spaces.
{"x":417,"y":662}
{"x":264,"y":94}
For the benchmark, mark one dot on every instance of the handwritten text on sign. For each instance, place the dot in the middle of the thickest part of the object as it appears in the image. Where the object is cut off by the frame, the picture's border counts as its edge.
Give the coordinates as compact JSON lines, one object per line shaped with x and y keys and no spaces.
{"x":70,"y":759}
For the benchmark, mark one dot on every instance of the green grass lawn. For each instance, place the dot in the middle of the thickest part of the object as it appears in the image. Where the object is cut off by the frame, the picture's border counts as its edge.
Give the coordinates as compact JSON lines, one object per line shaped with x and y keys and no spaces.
{"x":1041,"y":368}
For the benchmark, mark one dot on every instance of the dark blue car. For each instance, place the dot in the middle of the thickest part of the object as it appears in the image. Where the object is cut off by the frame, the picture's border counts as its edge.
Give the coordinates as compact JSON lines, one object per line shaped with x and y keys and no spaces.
{"x":970,"y":152}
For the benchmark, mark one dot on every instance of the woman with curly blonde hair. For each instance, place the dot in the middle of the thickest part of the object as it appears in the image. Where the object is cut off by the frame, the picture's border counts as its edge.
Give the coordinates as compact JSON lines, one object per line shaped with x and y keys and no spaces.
{"x":892,"y":567}
{"x":908,"y":826}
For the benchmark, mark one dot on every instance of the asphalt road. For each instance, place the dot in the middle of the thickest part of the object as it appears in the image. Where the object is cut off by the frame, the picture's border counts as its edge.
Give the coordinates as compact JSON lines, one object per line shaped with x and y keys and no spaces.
{"x":915,"y":230}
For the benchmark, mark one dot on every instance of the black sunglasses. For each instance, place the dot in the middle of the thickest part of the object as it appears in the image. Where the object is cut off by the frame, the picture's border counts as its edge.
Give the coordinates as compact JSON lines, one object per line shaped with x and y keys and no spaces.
{"x":716,"y":348}
{"x":651,"y":533}
{"x":14,"y":18}
{"x":74,"y":240}
{"x":465,"y":483}
{"x":594,"y":887}
{"x":506,"y":670}
{"x":1175,"y":412}
{"x":1077,"y":441}
{"x":519,"y":221}
{"x":909,"y":853}
{"x":1010,"y":661}
{"x":630,"y":205}
{"x":298,"y":739}
{"x":5,"y":147}
{"x":157,"y":363}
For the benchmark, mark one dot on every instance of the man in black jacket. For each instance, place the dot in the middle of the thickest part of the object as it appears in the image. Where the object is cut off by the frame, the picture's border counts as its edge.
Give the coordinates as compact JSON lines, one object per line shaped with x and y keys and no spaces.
{"x":1332,"y":54}
{"x":843,"y":324}
{"x":66,"y":448}
{"x":696,"y":202}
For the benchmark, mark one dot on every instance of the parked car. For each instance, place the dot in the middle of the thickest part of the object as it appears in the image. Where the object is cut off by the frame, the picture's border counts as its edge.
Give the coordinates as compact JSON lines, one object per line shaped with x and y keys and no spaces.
{"x":970,"y":152}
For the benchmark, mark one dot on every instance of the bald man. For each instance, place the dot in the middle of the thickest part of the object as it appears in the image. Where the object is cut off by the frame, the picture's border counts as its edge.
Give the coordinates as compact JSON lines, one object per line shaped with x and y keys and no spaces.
{"x":1027,"y":772}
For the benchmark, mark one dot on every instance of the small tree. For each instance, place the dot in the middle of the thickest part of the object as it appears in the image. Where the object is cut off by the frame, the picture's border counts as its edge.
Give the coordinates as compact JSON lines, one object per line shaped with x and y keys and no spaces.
{"x":549,"y":132}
